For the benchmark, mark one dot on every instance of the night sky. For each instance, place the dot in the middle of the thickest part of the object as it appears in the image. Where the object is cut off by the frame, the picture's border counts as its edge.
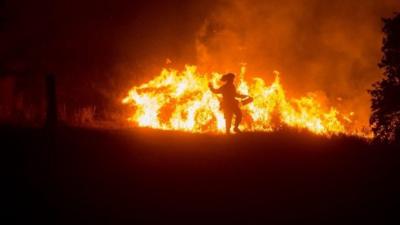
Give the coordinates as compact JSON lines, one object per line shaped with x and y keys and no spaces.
{"x":88,"y":44}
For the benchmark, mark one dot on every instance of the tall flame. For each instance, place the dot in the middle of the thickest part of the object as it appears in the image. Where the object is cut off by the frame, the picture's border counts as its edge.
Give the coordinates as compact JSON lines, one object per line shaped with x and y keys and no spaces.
{"x":182,"y":101}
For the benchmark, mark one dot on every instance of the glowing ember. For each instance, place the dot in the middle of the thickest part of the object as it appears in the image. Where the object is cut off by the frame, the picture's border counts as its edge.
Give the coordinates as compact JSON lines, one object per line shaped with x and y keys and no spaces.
{"x":182,"y":101}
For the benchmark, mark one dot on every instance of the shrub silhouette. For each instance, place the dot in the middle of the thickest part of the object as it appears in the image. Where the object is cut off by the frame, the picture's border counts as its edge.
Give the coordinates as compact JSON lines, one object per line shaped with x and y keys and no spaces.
{"x":385,"y":118}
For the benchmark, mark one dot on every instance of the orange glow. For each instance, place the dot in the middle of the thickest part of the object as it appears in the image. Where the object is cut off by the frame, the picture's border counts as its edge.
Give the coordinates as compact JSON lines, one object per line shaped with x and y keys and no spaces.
{"x":182,"y":101}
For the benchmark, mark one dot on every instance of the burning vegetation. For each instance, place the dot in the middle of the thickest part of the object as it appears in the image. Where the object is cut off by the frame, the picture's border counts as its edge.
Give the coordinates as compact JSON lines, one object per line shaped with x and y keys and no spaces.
{"x":177,"y":100}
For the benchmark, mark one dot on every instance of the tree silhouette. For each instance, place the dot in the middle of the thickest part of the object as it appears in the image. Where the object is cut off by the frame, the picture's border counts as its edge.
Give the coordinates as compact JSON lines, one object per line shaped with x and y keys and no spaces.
{"x":385,"y":118}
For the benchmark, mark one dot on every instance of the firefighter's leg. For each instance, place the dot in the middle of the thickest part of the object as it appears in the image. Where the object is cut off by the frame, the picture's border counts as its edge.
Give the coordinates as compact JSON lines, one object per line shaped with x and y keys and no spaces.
{"x":238,"y":119}
{"x":228,"y":121}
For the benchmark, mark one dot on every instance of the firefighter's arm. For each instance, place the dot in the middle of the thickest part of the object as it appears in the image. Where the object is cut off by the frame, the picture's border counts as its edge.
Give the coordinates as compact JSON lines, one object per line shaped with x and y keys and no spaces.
{"x":214,"y":90}
{"x":238,"y":95}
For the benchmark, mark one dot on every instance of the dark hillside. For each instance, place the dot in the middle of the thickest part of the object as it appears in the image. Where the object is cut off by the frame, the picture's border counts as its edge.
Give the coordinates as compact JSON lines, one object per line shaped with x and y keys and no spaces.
{"x":84,"y":176}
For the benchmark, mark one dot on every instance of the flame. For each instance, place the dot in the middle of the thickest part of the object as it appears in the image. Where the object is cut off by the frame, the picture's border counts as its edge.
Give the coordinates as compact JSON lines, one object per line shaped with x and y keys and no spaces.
{"x":182,"y":101}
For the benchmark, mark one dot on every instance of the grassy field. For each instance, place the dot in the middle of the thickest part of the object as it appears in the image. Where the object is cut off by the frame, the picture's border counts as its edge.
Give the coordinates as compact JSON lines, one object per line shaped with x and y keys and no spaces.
{"x":140,"y":176}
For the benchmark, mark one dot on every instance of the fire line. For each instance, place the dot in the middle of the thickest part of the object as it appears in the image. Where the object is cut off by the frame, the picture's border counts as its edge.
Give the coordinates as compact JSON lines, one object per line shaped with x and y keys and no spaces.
{"x":182,"y":101}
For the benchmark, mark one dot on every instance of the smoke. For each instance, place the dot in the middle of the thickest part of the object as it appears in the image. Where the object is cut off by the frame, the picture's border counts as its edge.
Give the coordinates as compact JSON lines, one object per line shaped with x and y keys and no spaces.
{"x":332,"y":46}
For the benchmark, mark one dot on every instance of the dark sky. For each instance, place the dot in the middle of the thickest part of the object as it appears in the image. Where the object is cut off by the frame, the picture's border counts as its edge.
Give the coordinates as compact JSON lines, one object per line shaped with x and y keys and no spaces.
{"x":97,"y":44}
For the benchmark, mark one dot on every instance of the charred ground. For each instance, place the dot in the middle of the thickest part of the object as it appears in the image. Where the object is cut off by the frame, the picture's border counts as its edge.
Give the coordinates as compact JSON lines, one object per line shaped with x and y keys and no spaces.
{"x":98,"y":176}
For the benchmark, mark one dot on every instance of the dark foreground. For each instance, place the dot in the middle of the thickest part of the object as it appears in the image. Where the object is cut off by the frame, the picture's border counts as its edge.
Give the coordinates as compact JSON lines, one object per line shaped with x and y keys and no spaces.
{"x":81,"y":176}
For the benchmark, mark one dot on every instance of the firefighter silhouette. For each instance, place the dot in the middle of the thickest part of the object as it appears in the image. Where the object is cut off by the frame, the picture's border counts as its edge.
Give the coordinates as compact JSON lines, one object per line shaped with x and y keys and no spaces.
{"x":230,"y":104}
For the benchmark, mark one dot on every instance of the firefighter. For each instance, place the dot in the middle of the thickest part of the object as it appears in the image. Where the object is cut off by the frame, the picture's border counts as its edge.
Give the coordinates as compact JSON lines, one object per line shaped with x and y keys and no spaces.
{"x":229,"y":104}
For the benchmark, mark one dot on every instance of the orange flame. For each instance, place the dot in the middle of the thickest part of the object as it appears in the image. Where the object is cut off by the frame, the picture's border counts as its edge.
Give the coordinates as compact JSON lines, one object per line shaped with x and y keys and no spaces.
{"x":182,"y":101}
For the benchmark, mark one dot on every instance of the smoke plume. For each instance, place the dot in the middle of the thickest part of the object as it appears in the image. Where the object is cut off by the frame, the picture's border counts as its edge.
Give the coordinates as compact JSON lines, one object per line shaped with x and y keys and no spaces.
{"x":332,"y":47}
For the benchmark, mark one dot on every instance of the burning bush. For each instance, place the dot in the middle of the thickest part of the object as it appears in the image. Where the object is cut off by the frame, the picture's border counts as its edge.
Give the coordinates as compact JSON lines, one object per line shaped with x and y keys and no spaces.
{"x":182,"y":101}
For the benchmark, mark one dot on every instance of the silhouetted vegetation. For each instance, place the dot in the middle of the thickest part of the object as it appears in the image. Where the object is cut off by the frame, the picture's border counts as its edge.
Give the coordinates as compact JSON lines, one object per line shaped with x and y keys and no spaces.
{"x":385,"y":118}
